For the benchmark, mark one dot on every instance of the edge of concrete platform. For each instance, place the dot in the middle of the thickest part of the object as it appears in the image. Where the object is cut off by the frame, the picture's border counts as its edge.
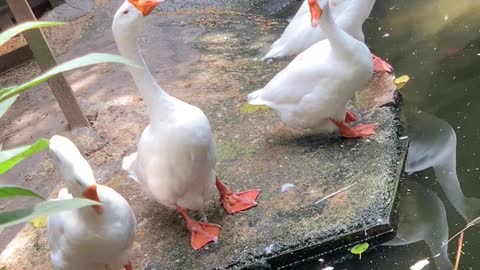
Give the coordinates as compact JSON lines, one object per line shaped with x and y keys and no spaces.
{"x":337,"y":248}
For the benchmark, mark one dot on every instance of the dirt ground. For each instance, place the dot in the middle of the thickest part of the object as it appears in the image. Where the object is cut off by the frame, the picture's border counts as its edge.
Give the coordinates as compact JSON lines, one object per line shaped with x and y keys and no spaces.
{"x":191,"y":62}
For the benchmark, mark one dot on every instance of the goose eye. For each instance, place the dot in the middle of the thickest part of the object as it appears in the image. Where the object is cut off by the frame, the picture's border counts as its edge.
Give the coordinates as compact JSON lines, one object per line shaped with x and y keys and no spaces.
{"x":125,"y":12}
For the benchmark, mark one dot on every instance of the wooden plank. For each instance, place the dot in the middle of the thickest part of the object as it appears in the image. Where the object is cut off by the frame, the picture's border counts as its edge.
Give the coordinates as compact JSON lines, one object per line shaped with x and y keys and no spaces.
{"x":32,"y":3}
{"x":15,"y":58}
{"x":45,"y":59}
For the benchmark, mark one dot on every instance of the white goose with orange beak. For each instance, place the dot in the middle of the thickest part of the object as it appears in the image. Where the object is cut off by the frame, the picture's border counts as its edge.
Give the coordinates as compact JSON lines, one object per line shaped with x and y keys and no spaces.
{"x":312,"y":92}
{"x":349,"y":15}
{"x":176,"y":156}
{"x":96,"y":237}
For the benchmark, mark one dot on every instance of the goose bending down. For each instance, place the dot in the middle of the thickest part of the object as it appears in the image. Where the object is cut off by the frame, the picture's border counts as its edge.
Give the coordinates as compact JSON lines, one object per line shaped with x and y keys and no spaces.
{"x":96,"y":237}
{"x":313,"y":90}
{"x":175,"y":158}
{"x":349,"y":15}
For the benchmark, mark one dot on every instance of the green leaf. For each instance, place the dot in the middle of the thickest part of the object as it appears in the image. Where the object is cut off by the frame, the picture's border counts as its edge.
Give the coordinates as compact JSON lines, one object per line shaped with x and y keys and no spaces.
{"x":7,"y":191}
{"x":6,"y":104}
{"x":359,"y":249}
{"x":9,"y":33}
{"x":12,"y":157}
{"x":42,"y":209}
{"x":86,"y":60}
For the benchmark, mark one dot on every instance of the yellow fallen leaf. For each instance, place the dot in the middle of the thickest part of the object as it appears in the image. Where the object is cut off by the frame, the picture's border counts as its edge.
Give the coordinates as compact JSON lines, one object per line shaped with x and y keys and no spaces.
{"x":39,"y":222}
{"x":249,"y":109}
{"x":401,"y":81}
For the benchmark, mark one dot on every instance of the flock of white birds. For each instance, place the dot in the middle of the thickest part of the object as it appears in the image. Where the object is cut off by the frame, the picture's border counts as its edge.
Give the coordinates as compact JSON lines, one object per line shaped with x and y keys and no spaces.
{"x":176,"y":155}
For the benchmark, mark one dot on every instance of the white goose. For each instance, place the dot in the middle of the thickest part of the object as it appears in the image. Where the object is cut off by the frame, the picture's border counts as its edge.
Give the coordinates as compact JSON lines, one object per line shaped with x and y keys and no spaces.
{"x":349,"y":15}
{"x":175,"y":158}
{"x":97,"y":237}
{"x":313,"y":90}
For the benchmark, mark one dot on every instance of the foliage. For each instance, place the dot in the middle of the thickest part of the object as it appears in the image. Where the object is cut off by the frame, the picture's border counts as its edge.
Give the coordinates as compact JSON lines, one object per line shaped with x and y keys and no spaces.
{"x":401,"y":81}
{"x":6,"y":104}
{"x":12,"y":157}
{"x":359,"y":249}
{"x":87,"y":60}
{"x":10,"y":33}
{"x":7,"y":191}
{"x":42,"y":209}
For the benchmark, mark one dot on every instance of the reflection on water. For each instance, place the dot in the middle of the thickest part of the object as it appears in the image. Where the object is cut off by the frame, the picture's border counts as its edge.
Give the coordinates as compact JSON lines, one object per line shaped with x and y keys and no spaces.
{"x":422,"y":215}
{"x":433,"y":143}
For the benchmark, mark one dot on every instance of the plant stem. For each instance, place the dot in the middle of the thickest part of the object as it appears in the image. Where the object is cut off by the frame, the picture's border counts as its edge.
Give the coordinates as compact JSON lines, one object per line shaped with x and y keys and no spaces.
{"x":459,"y":251}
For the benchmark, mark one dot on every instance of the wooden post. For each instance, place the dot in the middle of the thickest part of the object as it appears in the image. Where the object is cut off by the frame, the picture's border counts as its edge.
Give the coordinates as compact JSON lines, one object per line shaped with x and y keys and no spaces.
{"x":45,"y":59}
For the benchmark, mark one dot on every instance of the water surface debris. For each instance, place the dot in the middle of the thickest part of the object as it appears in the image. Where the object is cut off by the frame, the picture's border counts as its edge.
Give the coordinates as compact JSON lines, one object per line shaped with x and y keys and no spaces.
{"x":401,"y":81}
{"x":333,"y":194}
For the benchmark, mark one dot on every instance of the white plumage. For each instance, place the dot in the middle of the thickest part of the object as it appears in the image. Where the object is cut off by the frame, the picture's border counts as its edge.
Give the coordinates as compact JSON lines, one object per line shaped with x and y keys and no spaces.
{"x":316,"y":86}
{"x":176,"y":156}
{"x":299,"y":35}
{"x":91,"y":237}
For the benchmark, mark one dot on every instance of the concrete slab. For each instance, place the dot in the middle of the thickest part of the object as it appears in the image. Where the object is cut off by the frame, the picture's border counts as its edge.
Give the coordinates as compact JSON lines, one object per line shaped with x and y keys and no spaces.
{"x":212,"y":59}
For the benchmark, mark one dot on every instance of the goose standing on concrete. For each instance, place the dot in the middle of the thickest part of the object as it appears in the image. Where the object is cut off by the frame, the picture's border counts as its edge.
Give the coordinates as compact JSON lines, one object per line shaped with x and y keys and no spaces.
{"x":349,"y":15}
{"x":95,"y":237}
{"x":176,"y":156}
{"x":313,"y":90}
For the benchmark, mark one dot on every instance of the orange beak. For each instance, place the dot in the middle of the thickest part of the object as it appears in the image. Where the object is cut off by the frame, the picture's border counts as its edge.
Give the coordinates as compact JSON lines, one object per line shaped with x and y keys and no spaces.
{"x":91,"y":194}
{"x":315,"y":11}
{"x":145,"y":6}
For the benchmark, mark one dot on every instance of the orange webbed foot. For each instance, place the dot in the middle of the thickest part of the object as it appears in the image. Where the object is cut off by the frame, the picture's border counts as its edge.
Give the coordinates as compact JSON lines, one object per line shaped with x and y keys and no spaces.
{"x":201,"y":233}
{"x":359,"y":131}
{"x":234,"y":202}
{"x":350,"y":117}
{"x":379,"y":65}
{"x":128,"y":266}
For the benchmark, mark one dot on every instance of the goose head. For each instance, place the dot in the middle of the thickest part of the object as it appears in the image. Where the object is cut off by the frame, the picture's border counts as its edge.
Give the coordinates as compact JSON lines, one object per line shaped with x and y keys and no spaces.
{"x":130,"y":17}
{"x":75,"y":170}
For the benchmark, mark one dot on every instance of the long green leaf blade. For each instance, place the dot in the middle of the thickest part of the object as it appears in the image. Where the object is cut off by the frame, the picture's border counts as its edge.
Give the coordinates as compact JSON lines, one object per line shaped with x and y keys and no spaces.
{"x":9,"y":33}
{"x":12,"y":157}
{"x":6,"y":104}
{"x":83,"y":61}
{"x":42,"y":209}
{"x":8,"y":191}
